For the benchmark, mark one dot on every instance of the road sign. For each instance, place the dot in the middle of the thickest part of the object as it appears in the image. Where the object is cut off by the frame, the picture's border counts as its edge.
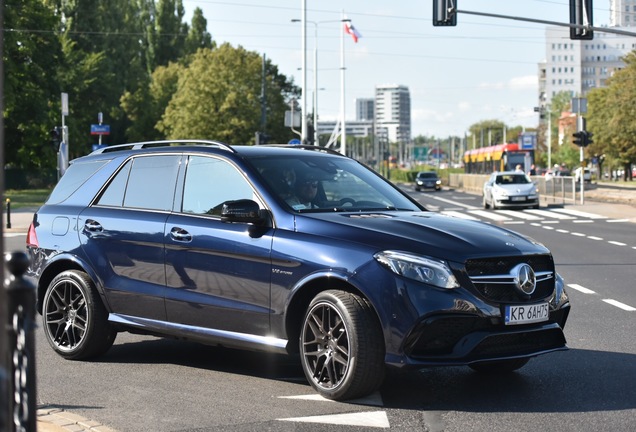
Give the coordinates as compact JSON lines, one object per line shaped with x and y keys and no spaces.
{"x":294,"y":141}
{"x":97,"y":129}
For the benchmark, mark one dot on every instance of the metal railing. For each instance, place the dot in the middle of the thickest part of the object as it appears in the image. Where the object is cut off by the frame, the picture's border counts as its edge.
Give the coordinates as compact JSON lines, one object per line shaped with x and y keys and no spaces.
{"x":17,"y":348}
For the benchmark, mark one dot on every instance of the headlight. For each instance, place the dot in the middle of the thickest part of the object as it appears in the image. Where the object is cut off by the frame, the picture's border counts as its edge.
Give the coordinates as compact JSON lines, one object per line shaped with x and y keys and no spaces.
{"x":500,"y":192}
{"x":420,"y":268}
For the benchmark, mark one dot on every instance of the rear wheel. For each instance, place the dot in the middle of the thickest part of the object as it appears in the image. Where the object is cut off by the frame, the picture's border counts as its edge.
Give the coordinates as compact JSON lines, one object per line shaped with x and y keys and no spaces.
{"x":75,"y":320}
{"x":342,"y":346}
{"x":485,"y":203}
{"x":500,"y":366}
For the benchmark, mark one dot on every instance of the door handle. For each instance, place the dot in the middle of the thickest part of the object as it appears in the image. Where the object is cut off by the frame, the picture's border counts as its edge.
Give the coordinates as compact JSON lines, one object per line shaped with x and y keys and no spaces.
{"x":179,"y":234}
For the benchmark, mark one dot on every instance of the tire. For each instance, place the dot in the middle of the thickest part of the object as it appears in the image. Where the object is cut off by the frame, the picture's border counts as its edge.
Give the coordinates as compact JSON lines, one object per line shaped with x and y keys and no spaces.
{"x":485,"y":203}
{"x":342,"y":346}
{"x":74,"y":318}
{"x":499,"y":366}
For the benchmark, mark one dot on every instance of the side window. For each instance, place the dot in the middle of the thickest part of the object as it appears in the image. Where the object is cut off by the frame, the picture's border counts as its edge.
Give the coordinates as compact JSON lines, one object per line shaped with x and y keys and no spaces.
{"x":114,"y":194}
{"x":209,"y":182}
{"x":72,"y":179}
{"x":145,"y":182}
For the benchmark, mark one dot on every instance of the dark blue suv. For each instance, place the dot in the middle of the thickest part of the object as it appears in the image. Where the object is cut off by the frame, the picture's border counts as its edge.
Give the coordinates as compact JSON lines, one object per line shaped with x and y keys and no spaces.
{"x":290,"y":249}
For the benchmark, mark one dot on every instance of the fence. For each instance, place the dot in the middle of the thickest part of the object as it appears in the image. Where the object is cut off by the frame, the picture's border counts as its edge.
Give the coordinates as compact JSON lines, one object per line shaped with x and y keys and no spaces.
{"x":17,"y":348}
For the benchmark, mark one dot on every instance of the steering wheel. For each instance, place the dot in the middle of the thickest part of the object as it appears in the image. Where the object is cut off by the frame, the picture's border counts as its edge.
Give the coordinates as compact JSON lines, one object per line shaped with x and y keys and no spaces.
{"x":344,"y":201}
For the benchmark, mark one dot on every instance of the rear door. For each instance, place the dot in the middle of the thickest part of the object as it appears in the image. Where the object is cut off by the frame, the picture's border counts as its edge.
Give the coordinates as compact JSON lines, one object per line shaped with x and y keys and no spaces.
{"x":123,"y":234}
{"x":218,"y":273}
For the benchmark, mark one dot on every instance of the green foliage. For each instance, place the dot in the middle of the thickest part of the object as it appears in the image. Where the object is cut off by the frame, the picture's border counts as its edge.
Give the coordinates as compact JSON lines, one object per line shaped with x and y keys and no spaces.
{"x":30,"y":64}
{"x":218,"y":97}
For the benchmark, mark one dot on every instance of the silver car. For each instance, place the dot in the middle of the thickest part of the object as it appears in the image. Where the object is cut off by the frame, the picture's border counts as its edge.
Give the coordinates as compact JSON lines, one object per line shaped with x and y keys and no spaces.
{"x":510,"y":189}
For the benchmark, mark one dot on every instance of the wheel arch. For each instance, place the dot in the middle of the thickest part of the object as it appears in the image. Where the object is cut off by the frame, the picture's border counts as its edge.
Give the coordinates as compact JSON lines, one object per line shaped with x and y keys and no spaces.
{"x":304,"y":294}
{"x":60,"y":264}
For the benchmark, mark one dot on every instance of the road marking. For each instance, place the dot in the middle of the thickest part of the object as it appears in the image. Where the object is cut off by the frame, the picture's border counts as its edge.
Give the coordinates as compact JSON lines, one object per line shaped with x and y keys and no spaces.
{"x":578,"y":213}
{"x":376,"y":419}
{"x":490,"y":215}
{"x":581,"y":289}
{"x":374,"y":399}
{"x":520,"y":214}
{"x":550,"y":214}
{"x":617,"y":243}
{"x":582,"y":221}
{"x":13,"y":234}
{"x":619,"y":305}
{"x":578,"y":234}
{"x":617,"y":220}
{"x":460,"y":215}
{"x":594,"y":238}
{"x":563,"y":231}
{"x":547,"y":227}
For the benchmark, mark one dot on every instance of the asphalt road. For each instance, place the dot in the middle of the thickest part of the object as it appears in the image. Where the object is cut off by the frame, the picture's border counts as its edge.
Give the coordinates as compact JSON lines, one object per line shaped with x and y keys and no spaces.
{"x":149,"y":384}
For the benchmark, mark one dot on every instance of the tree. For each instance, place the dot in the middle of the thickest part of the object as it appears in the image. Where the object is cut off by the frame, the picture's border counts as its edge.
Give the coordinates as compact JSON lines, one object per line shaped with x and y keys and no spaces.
{"x":614,"y":110}
{"x":31,"y":91}
{"x":218,"y":97}
{"x":198,"y":36}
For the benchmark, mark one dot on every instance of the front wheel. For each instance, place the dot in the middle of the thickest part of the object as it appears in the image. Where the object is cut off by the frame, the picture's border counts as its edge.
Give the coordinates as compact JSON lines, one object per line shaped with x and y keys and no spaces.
{"x":75,"y":320}
{"x":342,"y":346}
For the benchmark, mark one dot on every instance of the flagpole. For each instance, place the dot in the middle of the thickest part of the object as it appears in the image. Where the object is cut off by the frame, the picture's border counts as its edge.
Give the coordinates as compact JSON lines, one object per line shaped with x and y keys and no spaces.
{"x":343,"y":137}
{"x":303,"y":130}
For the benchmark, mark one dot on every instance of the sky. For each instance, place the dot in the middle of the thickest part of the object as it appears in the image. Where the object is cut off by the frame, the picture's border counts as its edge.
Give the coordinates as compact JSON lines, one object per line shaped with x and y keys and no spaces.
{"x":485,"y":68}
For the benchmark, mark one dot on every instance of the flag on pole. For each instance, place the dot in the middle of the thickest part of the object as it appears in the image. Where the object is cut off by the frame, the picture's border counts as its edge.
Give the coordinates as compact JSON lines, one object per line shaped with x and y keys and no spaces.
{"x":350,"y":29}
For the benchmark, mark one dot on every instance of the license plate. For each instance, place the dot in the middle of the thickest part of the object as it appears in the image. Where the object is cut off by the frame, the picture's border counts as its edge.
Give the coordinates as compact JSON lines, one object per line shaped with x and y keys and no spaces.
{"x":518,"y":198}
{"x":526,"y":314}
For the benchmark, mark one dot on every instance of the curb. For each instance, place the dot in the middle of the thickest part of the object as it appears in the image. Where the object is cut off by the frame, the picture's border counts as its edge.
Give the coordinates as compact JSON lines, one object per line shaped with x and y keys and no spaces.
{"x":51,"y":419}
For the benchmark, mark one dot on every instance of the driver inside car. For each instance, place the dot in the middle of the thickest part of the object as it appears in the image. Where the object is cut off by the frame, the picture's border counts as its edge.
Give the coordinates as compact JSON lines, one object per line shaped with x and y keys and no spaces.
{"x":305,"y":190}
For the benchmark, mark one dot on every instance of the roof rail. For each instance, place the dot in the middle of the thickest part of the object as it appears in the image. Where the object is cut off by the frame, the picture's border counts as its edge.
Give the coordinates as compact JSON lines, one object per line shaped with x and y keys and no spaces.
{"x":164,"y":143}
{"x":307,"y":147}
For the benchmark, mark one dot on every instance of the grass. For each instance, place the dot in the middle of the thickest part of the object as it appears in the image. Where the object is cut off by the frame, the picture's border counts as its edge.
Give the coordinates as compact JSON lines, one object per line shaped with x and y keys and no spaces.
{"x":26,"y":198}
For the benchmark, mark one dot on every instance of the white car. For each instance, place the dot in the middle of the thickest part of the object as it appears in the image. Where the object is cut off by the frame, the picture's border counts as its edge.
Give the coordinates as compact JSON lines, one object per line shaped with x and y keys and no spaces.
{"x":587,"y":175}
{"x":510,"y":189}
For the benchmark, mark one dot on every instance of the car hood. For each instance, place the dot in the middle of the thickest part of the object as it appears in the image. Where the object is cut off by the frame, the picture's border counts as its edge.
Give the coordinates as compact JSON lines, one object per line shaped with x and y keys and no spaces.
{"x":516,"y":188}
{"x":421,"y":232}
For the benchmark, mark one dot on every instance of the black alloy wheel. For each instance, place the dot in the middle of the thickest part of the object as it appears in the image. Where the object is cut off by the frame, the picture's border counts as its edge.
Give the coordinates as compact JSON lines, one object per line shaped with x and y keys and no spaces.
{"x":75,"y":321}
{"x":342,"y":347}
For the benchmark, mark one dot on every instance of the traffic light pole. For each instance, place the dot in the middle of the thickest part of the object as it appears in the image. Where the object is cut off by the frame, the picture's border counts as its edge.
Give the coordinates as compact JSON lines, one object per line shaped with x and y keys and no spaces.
{"x":581,"y":127}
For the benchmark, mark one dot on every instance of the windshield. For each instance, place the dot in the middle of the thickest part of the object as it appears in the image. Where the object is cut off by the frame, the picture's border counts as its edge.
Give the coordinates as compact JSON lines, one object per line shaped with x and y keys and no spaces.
{"x":512,"y":179}
{"x":317,"y":182}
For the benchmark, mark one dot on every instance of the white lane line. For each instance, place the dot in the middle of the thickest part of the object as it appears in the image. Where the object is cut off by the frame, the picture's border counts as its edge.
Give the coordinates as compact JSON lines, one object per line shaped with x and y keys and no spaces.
{"x":619,"y":305}
{"x":563,"y":231}
{"x":594,"y":238}
{"x":453,"y":202}
{"x":514,"y":222}
{"x":617,"y":220}
{"x":579,"y":221}
{"x":578,"y":213}
{"x":490,"y":215}
{"x":615,"y":243}
{"x":374,"y":399}
{"x":519,"y":214}
{"x":375,"y":419}
{"x":545,"y":222}
{"x":549,"y":214}
{"x":581,"y":289}
{"x":577,"y":234}
{"x":548,"y":227}
{"x":460,"y":215}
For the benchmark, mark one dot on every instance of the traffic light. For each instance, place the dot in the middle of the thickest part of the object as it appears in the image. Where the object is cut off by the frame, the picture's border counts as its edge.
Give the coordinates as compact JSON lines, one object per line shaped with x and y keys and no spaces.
{"x":581,"y":15}
{"x":55,"y":135}
{"x":579,"y":138}
{"x":444,"y":13}
{"x":588,"y":138}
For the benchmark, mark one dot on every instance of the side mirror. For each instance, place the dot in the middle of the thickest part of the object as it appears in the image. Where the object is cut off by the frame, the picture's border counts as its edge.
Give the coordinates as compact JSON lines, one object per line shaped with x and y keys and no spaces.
{"x":242,"y":211}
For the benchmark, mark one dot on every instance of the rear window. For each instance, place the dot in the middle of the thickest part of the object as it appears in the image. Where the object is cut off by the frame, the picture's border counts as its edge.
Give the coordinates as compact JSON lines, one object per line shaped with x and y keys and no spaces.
{"x":74,"y":177}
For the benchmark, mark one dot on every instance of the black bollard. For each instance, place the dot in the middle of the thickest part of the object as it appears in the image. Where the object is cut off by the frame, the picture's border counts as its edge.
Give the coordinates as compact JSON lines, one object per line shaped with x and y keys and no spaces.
{"x":21,"y":338}
{"x":8,"y":213}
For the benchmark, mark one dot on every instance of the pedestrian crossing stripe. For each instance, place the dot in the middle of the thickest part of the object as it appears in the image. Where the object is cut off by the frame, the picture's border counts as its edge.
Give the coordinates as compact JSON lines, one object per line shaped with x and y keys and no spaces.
{"x":369,"y":419}
{"x":545,"y":216}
